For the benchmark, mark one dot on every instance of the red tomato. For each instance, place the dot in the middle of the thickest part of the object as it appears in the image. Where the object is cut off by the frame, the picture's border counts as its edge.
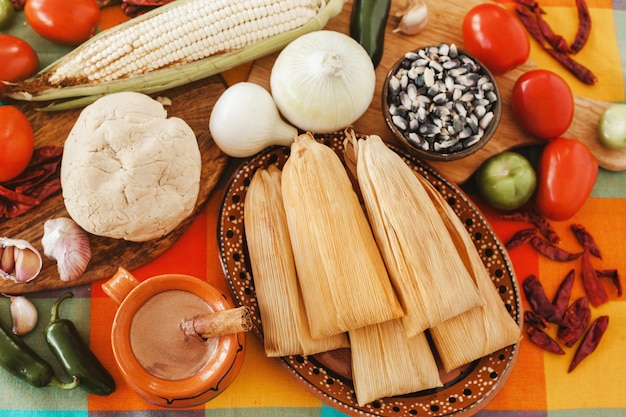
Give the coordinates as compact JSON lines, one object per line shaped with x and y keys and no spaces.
{"x":16,"y":142}
{"x":566,"y":174}
{"x":542,"y":103}
{"x":495,"y":37}
{"x":65,"y":22}
{"x":19,"y":59}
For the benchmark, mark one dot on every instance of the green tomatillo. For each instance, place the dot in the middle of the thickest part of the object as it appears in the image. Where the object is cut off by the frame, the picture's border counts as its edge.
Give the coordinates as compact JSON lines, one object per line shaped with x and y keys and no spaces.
{"x":506,"y":181}
{"x":612,"y":127}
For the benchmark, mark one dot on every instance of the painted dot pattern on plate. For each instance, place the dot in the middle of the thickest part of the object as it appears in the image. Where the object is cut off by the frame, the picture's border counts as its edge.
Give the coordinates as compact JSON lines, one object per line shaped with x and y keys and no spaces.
{"x":327,"y":375}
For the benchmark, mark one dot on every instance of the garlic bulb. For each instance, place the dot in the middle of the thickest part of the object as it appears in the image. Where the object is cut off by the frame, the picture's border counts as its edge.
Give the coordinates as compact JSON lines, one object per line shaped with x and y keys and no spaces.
{"x":414,"y":18}
{"x":245,"y":120}
{"x":323,"y":81}
{"x":19,"y":260}
{"x":24,"y":315}
{"x":65,"y":241}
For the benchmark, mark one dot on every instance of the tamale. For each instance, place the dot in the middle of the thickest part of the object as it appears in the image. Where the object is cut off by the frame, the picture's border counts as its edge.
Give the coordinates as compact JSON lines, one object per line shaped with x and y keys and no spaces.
{"x":480,"y":331}
{"x":341,"y":272}
{"x":386,"y":362}
{"x":427,"y":272}
{"x":285,"y":326}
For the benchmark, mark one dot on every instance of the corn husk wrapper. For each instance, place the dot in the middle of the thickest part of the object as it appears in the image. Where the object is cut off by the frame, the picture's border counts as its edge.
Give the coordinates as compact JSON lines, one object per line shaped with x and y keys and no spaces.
{"x":479,"y":331}
{"x":285,"y":325}
{"x":342,"y":275}
{"x":386,"y":362}
{"x":428,"y":274}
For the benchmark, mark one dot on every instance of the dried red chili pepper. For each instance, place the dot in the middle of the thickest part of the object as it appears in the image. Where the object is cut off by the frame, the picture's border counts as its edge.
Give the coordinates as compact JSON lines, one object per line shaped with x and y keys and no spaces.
{"x":584,"y":26}
{"x":575,"y":321}
{"x":106,"y":3}
{"x":590,"y":341}
{"x":528,"y":20}
{"x":544,"y":226}
{"x":552,"y":251}
{"x":591,"y":283}
{"x":37,"y":182}
{"x":135,"y":8}
{"x":45,"y":190}
{"x":534,"y":28}
{"x":563,"y":293}
{"x":538,"y":220}
{"x":530,"y":4}
{"x":536,"y":296}
{"x":558,"y":42}
{"x":544,"y":341}
{"x":520,"y":237}
{"x":516,"y":217}
{"x":533,"y":319}
{"x":16,"y":198}
{"x":586,"y":239}
{"x":614,"y":275}
{"x":581,"y":72}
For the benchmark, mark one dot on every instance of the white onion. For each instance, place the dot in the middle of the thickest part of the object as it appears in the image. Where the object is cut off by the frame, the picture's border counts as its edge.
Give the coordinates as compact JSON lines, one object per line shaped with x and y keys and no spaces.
{"x":245,"y":120}
{"x":323,"y":81}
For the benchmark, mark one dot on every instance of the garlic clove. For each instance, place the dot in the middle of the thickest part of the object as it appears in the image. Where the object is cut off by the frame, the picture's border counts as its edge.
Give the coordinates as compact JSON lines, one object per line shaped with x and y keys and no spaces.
{"x":7,"y":262}
{"x":24,"y":315}
{"x":66,"y":242}
{"x":20,"y":262}
{"x":413,"y":19}
{"x":26,"y":262}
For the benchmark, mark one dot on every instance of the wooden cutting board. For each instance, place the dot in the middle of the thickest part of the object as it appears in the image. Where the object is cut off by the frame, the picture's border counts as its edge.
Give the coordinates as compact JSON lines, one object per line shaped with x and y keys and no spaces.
{"x":444,"y":25}
{"x":192,"y":103}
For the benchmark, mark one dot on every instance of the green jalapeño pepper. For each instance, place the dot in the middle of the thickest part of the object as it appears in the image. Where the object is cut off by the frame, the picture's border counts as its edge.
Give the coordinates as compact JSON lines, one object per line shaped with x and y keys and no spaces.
{"x":23,"y":362}
{"x":368,"y":20}
{"x":74,"y":354}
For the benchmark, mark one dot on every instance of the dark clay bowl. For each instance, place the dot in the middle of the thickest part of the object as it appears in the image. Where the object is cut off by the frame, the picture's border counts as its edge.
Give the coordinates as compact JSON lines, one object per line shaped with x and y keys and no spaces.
{"x":441,"y":103}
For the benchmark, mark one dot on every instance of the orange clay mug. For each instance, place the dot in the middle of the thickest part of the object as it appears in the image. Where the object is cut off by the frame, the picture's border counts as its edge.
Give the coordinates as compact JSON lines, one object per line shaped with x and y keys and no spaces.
{"x":162,"y":364}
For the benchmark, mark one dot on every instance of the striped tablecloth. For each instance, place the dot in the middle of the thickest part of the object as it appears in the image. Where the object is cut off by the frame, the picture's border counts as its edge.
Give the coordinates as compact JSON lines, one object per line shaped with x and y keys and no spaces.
{"x":539,"y":385}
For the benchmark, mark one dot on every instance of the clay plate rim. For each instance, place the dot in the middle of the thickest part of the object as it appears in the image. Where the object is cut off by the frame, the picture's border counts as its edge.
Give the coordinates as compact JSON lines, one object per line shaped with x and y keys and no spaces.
{"x":327,"y":375}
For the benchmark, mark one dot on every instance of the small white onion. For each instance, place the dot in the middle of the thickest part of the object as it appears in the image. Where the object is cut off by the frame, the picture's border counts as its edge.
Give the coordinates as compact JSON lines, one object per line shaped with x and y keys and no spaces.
{"x":323,"y":81}
{"x":245,"y":120}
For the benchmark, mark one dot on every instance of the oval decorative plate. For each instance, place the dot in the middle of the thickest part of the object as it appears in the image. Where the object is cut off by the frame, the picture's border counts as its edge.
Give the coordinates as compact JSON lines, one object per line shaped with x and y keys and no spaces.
{"x":328,"y":375}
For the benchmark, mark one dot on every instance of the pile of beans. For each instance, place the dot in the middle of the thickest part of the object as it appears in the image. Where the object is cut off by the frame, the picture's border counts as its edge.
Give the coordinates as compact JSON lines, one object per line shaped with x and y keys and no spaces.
{"x":441,"y":99}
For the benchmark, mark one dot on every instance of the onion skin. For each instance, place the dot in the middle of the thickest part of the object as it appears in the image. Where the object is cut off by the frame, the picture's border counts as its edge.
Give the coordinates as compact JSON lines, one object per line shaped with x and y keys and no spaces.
{"x":323,"y":81}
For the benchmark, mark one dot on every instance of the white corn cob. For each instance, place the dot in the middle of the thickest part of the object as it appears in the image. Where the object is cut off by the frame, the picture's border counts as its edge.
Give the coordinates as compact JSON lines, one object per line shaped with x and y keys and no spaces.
{"x":194,"y":30}
{"x":192,"y":38}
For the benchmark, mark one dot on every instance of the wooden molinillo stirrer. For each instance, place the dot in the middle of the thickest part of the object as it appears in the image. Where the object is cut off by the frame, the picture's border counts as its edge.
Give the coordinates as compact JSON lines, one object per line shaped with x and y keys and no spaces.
{"x":219,"y":323}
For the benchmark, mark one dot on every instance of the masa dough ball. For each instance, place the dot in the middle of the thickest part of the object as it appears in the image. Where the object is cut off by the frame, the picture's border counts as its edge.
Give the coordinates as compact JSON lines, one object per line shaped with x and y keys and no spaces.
{"x":129,"y":172}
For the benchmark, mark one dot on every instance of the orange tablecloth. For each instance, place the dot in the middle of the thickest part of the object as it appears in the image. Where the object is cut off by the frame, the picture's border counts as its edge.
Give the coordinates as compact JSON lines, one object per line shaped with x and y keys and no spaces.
{"x":539,"y":384}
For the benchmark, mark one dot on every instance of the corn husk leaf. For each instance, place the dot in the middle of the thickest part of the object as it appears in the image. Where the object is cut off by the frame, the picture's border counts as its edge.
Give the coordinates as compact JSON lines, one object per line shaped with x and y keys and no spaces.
{"x":342,"y":275}
{"x":81,"y":92}
{"x":386,"y":362}
{"x":480,"y":331}
{"x":285,"y":325}
{"x":428,"y":274}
